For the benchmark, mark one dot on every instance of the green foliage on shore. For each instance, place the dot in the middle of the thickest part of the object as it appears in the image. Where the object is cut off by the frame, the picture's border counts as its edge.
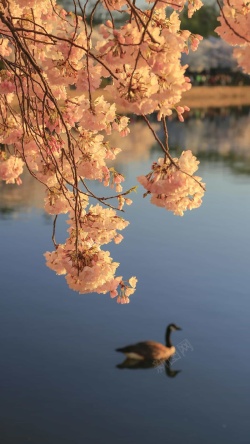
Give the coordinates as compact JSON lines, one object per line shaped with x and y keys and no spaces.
{"x":203,"y":21}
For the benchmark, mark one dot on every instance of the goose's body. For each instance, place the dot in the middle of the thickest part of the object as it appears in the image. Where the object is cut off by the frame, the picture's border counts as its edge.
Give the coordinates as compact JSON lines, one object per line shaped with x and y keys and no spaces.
{"x":151,"y":350}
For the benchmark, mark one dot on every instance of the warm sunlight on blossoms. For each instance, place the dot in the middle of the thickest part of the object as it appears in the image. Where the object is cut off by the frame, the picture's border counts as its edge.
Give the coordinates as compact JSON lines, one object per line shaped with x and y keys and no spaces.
{"x":56,"y":70}
{"x":172,"y":184}
{"x":11,"y":168}
{"x":235,"y":29}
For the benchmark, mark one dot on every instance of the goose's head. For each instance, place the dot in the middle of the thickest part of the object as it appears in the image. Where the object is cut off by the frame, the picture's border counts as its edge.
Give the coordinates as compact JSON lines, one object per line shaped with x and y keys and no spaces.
{"x":173,"y":327}
{"x":170,"y":328}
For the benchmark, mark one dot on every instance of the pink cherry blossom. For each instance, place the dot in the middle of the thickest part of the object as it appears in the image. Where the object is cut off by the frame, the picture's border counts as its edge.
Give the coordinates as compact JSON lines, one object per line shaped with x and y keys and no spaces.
{"x":10,"y":169}
{"x":172,"y":184}
{"x":54,"y":119}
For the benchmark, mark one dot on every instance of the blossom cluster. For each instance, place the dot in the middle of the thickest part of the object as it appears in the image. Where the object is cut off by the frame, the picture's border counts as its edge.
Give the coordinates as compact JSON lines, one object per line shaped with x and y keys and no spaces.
{"x":88,"y":268}
{"x":172,"y":183}
{"x":59,"y":137}
{"x":235,"y":29}
{"x":11,"y":168}
{"x":146,"y":54}
{"x":54,"y":120}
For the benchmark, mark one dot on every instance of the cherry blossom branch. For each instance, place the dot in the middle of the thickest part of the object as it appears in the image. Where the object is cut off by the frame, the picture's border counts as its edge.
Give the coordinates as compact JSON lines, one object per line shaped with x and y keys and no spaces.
{"x":61,"y":139}
{"x":164,"y":149}
{"x":243,"y":37}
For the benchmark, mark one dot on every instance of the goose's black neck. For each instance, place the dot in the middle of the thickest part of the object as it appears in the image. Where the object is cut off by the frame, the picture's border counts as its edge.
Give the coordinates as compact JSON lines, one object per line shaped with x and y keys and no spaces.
{"x":168,"y":340}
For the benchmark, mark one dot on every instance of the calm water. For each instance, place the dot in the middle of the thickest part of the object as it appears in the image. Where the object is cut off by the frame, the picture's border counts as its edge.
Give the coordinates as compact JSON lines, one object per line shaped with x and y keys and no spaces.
{"x":58,"y":376}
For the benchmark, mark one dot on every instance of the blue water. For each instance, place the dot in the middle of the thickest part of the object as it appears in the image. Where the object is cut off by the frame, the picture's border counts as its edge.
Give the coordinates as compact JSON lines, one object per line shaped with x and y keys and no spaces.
{"x":58,"y":377}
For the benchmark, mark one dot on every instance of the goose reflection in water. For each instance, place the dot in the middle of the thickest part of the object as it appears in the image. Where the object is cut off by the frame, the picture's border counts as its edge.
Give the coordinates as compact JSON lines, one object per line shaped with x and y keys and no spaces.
{"x":149,"y":354}
{"x":160,"y":365}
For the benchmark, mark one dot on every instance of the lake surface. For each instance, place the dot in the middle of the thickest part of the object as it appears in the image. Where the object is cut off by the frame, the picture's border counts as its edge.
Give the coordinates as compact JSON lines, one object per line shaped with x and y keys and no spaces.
{"x":59,"y":379}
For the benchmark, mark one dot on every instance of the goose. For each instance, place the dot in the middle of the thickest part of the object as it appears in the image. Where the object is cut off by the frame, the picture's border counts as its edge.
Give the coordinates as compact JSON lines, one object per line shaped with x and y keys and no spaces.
{"x":151,"y":350}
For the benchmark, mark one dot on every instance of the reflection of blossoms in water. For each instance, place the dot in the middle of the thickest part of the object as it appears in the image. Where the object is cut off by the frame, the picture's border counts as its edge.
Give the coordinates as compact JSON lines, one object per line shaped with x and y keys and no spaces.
{"x":226,"y":135}
{"x":137,"y":145}
{"x":18,"y":199}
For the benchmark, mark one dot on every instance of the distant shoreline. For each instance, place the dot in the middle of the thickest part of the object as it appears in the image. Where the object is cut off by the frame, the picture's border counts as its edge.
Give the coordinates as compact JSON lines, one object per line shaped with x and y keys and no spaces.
{"x":216,"y":96}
